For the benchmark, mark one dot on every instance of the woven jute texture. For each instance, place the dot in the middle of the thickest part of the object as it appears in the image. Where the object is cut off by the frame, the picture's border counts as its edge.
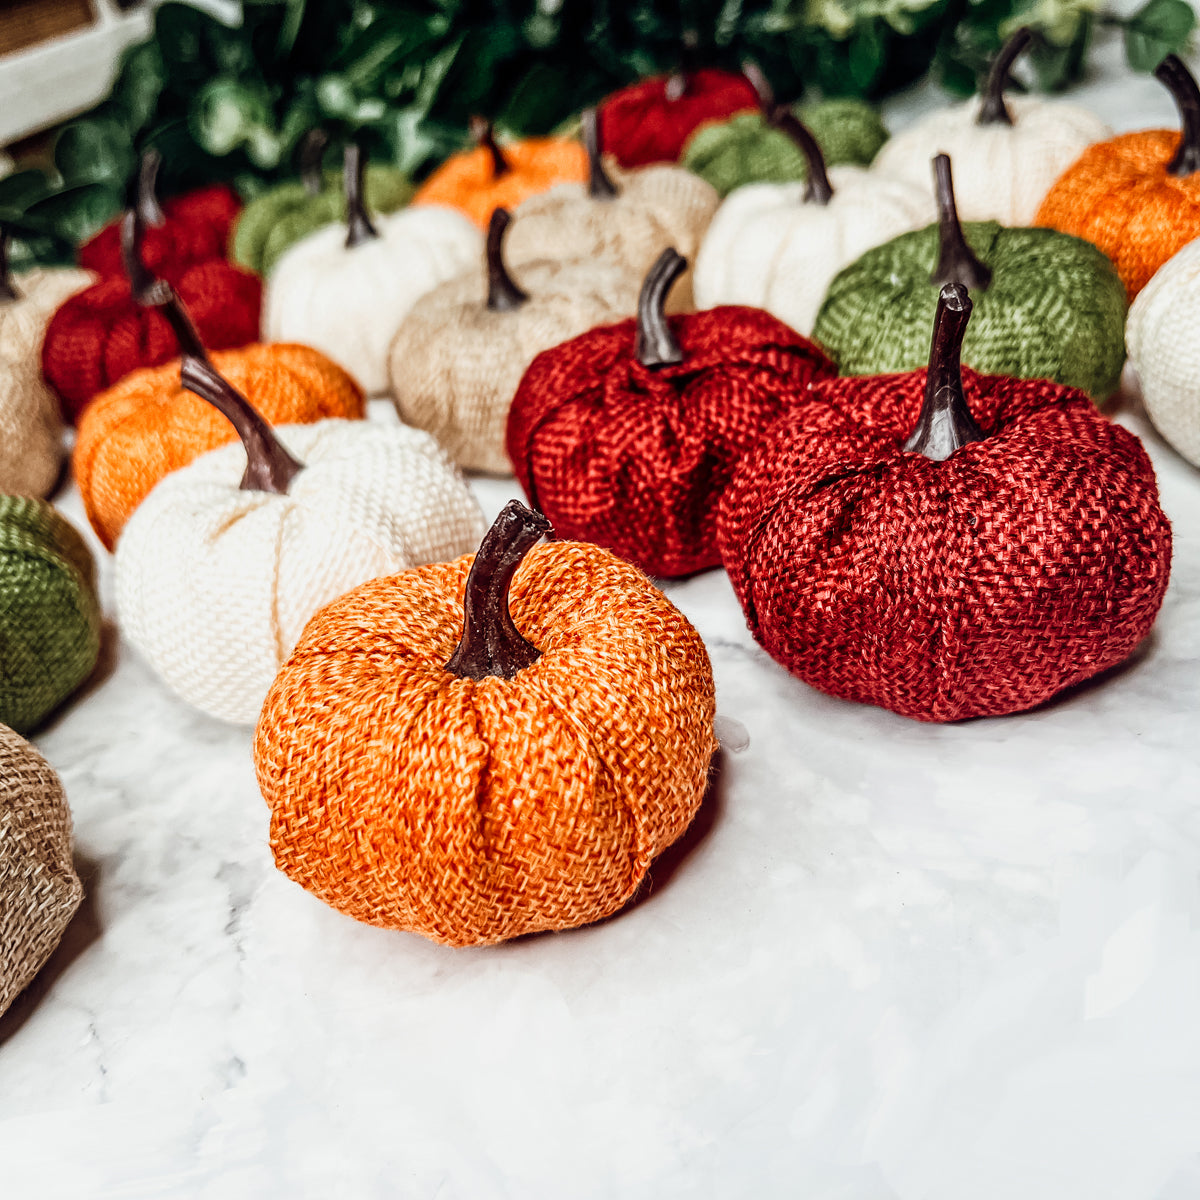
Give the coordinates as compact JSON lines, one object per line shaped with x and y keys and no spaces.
{"x":455,"y":364}
{"x":1165,"y":352}
{"x":49,"y":616}
{"x":657,"y":207}
{"x":1120,"y":196}
{"x":978,"y":586}
{"x":635,"y":458}
{"x":39,"y":890}
{"x":40,"y":291}
{"x":473,"y":811}
{"x":745,"y":149}
{"x":148,"y":425}
{"x":215,"y":584}
{"x":1055,"y":309}
{"x":1001,"y":172}
{"x":31,"y":452}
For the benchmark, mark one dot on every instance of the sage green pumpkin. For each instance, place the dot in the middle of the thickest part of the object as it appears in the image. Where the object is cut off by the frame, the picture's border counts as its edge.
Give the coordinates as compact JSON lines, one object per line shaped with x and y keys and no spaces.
{"x":49,"y":616}
{"x":1055,"y":309}
{"x":745,"y":149}
{"x":270,"y":223}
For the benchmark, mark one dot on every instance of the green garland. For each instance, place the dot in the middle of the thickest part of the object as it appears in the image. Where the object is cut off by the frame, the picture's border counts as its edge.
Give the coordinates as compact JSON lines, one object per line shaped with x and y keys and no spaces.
{"x":404,"y":76}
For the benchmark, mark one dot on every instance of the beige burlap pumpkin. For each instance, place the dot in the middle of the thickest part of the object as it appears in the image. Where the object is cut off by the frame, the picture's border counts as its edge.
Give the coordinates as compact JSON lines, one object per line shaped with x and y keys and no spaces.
{"x":39,"y":890}
{"x":626,"y":217}
{"x":456,"y":360}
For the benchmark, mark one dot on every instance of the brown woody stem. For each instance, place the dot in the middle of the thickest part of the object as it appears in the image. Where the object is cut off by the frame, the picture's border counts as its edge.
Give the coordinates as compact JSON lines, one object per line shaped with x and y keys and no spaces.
{"x":503,"y":293}
{"x":1182,"y":85}
{"x":945,"y":423}
{"x":147,"y":289}
{"x":312,"y":152}
{"x":269,"y":467}
{"x":147,"y":197}
{"x":679,"y":82}
{"x":957,"y":262}
{"x":358,"y":221}
{"x":484,"y":134}
{"x":819,"y":190}
{"x":600,"y":184}
{"x":993,"y":110}
{"x":491,"y":644}
{"x":757,"y":79}
{"x":656,"y":344}
{"x":8,"y":293}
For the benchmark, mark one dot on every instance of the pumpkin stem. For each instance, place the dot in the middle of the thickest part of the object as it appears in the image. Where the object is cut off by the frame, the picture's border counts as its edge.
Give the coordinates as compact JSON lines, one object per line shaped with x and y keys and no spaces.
{"x":679,"y":82}
{"x":8,"y":292}
{"x":819,"y":190}
{"x":957,"y":262}
{"x":993,"y":110}
{"x":757,"y":79}
{"x":358,"y":221}
{"x":656,"y":344}
{"x":269,"y":467}
{"x":146,"y":287}
{"x":491,"y":644}
{"x":147,"y":183}
{"x":945,"y":423}
{"x":503,"y":293}
{"x":600,"y":184}
{"x":484,"y":134}
{"x":312,"y":151}
{"x":1179,"y":80}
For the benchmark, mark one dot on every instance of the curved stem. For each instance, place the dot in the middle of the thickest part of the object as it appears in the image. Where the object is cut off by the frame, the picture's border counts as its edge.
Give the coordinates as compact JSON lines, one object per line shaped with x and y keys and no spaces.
{"x":491,"y":644}
{"x":312,"y":151}
{"x":146,"y":287}
{"x":8,"y":293}
{"x":679,"y":82}
{"x":484,"y":134}
{"x":656,"y":344}
{"x":600,"y":184}
{"x":993,"y":110}
{"x":147,"y":197}
{"x":957,"y":262}
{"x":269,"y":467}
{"x":819,"y":190}
{"x":758,"y":80}
{"x":503,"y":293}
{"x":1178,"y":79}
{"x":945,"y":423}
{"x":358,"y":221}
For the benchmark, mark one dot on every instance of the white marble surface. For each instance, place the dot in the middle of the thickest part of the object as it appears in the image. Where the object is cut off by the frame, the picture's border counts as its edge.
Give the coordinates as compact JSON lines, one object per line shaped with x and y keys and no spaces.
{"x":890,"y":961}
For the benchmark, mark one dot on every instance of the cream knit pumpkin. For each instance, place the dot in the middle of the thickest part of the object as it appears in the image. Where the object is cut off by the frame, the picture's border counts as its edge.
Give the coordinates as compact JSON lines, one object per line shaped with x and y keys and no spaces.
{"x":1160,"y":335}
{"x":1001,"y":172}
{"x":214,"y":584}
{"x":349,"y":301}
{"x":769,"y":248}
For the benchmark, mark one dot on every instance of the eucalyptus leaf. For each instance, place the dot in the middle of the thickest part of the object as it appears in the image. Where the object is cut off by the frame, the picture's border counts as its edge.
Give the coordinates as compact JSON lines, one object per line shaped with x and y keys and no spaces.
{"x":96,"y":151}
{"x":1162,"y":27}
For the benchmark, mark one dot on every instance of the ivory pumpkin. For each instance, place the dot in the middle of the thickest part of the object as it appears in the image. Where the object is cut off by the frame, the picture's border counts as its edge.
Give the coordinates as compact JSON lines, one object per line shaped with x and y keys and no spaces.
{"x":778,"y":246}
{"x":459,"y":355}
{"x":345,"y":290}
{"x":1007,"y":151}
{"x":521,"y":780}
{"x":225,"y":561}
{"x":626,"y":217}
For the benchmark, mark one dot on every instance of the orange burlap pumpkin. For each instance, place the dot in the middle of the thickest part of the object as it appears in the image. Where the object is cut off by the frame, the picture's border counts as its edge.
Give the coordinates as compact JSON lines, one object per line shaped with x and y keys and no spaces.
{"x":503,"y":787}
{"x":479,"y":181}
{"x":1136,"y":196}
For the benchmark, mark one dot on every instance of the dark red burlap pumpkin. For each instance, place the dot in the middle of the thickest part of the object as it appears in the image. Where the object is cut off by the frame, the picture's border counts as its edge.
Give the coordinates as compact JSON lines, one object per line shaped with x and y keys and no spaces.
{"x":1031,"y":556}
{"x":627,"y":435}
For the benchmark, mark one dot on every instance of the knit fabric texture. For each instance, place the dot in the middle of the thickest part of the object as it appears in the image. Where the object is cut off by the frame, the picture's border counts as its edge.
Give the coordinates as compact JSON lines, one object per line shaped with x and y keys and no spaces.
{"x":31,"y":452}
{"x":349,"y":301}
{"x":1164,"y":351}
{"x":272,"y":222}
{"x":1120,"y":196}
{"x":101,"y":334}
{"x":468,"y":181}
{"x":978,"y":586}
{"x":1055,"y":309}
{"x":215,"y":584}
{"x":635,"y":458}
{"x":1001,"y":172}
{"x":745,"y":149}
{"x":39,"y":890}
{"x":195,"y":229}
{"x":148,"y":425}
{"x":49,"y":617}
{"x":473,"y":811}
{"x":640,"y":125}
{"x":455,"y":364}
{"x":656,"y":207}
{"x":769,"y":249}
{"x":23,"y":321}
